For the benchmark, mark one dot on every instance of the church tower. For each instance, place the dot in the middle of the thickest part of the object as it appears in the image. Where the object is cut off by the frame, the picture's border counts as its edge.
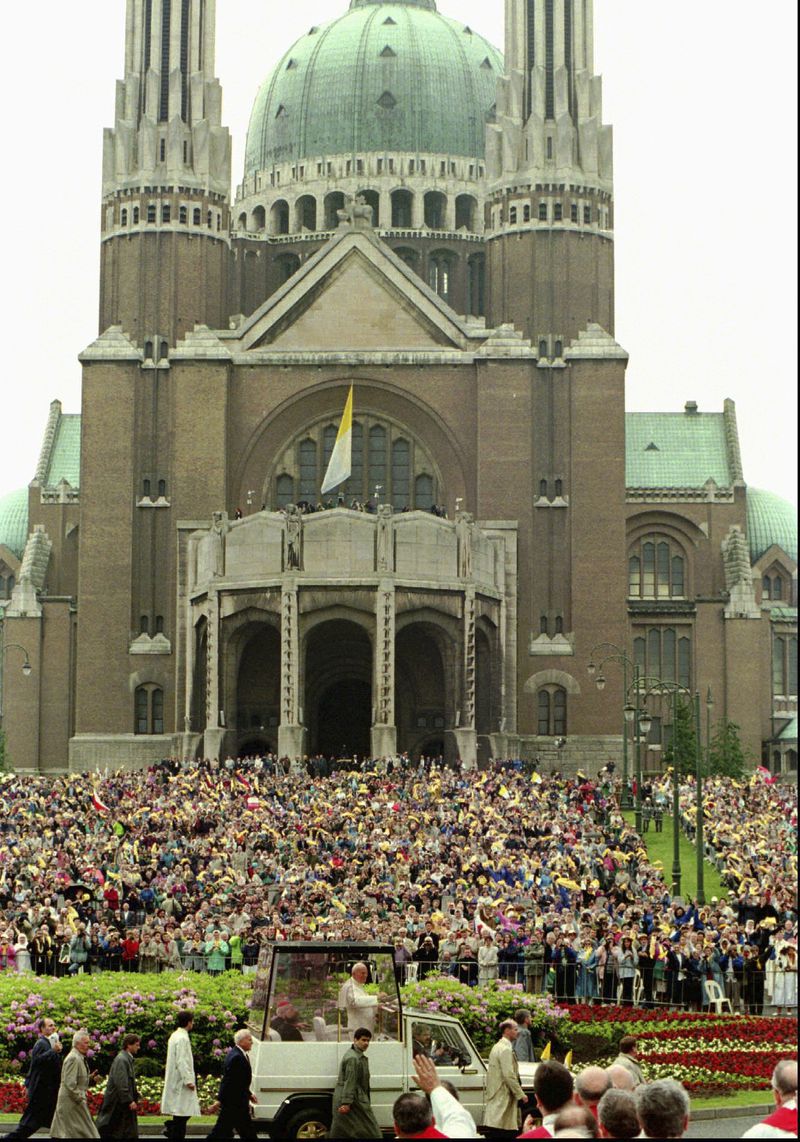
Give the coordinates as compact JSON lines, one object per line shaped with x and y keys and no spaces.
{"x":166,"y":180}
{"x":550,"y":175}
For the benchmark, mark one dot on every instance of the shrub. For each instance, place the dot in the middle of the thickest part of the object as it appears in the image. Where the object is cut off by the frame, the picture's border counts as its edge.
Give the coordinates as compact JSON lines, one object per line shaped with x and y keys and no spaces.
{"x":481,"y":1009}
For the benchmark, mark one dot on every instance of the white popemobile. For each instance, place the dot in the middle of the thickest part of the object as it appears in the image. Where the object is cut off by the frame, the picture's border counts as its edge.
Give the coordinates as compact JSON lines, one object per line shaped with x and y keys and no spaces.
{"x":308,"y":999}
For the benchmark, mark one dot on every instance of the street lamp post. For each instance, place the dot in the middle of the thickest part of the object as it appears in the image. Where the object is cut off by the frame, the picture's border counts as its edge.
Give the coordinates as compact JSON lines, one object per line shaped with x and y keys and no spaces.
{"x":27,"y":669}
{"x":616,"y":655}
{"x":676,"y":802}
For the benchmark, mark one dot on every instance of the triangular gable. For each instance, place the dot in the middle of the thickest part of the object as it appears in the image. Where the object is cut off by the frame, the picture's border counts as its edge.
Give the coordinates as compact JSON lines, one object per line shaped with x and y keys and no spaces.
{"x":354,"y":295}
{"x":775,"y":554}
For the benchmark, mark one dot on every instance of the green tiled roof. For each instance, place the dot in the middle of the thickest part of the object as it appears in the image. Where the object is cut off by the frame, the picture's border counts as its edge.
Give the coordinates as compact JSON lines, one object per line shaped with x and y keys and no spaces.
{"x":675,"y":450}
{"x":387,"y":76}
{"x":14,"y":521}
{"x":789,"y":732}
{"x":65,"y":458}
{"x":783,"y":614}
{"x":770,"y":519}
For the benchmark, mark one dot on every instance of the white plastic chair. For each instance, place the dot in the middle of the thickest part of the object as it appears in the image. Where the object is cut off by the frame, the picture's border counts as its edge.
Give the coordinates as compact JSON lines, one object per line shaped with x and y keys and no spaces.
{"x":716,"y":997}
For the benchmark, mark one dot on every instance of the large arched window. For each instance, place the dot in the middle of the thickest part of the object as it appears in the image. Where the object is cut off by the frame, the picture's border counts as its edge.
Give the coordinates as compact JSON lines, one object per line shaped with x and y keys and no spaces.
{"x":656,"y":569}
{"x":402,"y":209}
{"x":440,"y":273}
{"x":149,"y":710}
{"x":551,"y":711}
{"x":279,"y":217}
{"x":383,"y":453}
{"x":435,"y":210}
{"x":784,"y":666}
{"x":665,"y":652}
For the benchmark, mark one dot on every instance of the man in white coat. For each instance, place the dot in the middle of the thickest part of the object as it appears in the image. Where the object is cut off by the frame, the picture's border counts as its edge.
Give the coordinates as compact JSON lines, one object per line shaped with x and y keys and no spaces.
{"x":179,"y":1097}
{"x":360,"y":1005}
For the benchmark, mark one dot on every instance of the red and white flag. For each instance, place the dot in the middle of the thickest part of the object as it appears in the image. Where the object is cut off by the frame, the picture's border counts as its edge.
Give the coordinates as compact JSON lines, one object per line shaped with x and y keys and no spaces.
{"x":99,"y":805}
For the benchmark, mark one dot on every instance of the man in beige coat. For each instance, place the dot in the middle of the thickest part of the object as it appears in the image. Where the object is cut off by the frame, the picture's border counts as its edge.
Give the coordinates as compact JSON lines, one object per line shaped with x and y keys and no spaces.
{"x":73,"y":1119}
{"x":504,"y":1092}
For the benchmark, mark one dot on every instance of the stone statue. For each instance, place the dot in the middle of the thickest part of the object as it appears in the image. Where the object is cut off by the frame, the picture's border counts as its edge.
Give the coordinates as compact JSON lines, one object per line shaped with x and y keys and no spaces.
{"x":384,"y":545}
{"x":294,"y":534}
{"x":357,"y":213}
{"x":464,"y":528}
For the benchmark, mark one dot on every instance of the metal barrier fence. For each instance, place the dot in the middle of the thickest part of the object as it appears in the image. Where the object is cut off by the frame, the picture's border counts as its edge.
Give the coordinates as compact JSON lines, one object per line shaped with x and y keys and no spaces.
{"x":747,"y":991}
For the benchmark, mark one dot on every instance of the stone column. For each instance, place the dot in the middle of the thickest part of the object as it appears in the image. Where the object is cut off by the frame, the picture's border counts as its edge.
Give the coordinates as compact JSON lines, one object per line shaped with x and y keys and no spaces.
{"x":384,"y":730}
{"x":466,"y":735}
{"x":291,"y":734}
{"x":214,"y":735}
{"x":384,"y":219}
{"x":418,"y":210}
{"x":450,"y":213}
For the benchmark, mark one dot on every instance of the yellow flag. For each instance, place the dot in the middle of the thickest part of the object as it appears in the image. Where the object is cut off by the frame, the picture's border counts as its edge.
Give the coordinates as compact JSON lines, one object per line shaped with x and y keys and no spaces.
{"x":568,"y":1060}
{"x":503,"y":792}
{"x":545,"y":1055}
{"x":341,"y":464}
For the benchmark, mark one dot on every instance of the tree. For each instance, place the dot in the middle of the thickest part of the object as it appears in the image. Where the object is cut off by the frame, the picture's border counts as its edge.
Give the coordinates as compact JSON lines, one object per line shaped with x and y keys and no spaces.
{"x":727,"y":757}
{"x":684,"y":740}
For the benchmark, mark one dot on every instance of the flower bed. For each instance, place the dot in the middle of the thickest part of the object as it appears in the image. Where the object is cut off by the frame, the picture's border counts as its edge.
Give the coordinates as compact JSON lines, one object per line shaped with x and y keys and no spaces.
{"x":710,"y":1054}
{"x":13,"y":1098}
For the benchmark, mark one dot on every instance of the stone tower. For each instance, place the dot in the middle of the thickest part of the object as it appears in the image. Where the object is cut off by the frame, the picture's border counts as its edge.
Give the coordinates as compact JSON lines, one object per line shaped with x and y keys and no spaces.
{"x":550,"y":172}
{"x":166,"y":180}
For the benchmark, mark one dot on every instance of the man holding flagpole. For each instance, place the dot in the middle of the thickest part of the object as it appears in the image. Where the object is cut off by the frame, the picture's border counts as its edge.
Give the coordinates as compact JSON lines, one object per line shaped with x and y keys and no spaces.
{"x":341,"y":461}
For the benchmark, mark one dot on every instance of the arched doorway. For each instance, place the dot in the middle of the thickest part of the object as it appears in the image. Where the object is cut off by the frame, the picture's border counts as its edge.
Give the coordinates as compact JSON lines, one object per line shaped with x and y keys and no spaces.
{"x":257,"y":746}
{"x":338,"y":689}
{"x":258,"y":686}
{"x":424,"y":679}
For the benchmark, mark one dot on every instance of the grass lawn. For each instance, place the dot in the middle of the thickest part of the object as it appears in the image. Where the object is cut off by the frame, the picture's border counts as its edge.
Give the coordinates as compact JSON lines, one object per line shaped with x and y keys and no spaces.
{"x":740,"y":1098}
{"x":659,"y":847}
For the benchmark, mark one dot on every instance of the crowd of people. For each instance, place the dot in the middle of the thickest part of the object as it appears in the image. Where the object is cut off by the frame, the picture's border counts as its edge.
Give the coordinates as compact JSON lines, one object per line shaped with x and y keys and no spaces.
{"x":607,"y":1102}
{"x":480,"y":875}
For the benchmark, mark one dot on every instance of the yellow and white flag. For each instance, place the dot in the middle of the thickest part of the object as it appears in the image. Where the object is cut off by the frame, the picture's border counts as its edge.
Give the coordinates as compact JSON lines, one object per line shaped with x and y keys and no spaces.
{"x":340,"y":465}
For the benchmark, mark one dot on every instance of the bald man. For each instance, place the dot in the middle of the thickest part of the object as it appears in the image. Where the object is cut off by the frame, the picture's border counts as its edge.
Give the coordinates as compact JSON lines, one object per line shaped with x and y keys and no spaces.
{"x":360,"y":1005}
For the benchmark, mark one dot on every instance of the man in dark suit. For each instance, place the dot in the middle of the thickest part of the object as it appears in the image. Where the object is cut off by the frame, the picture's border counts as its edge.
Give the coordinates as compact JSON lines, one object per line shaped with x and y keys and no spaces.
{"x":42,"y":1082}
{"x":233,"y":1101}
{"x":117,"y":1117}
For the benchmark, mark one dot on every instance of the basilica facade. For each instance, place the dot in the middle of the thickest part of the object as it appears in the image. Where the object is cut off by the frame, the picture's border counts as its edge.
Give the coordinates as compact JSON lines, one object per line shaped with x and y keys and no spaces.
{"x":430,"y":223}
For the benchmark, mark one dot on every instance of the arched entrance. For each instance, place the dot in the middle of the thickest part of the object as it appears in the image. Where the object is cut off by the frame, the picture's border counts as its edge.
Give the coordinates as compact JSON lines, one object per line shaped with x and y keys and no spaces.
{"x":258,"y":688}
{"x":338,"y":689}
{"x":424,"y":673}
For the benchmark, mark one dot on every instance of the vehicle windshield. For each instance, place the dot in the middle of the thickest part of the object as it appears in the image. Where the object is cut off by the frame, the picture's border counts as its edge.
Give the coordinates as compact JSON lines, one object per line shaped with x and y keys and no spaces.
{"x":303,"y":995}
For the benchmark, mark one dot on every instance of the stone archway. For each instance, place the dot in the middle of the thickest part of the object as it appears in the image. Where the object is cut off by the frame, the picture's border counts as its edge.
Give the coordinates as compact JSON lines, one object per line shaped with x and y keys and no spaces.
{"x":425,"y":667}
{"x":258,"y":656}
{"x":338,"y":689}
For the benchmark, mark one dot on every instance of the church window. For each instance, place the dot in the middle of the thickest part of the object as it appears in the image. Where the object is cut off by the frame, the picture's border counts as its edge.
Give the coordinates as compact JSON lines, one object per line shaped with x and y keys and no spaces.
{"x":402,"y":209}
{"x":334,"y":202}
{"x":279,"y":215}
{"x":465,"y":212}
{"x":543,"y":351}
{"x":660,"y":569}
{"x":440,"y":274}
{"x":784,"y":666}
{"x":526,"y":212}
{"x":401,"y":474}
{"x":210,"y":219}
{"x":136,"y":215}
{"x":549,"y":61}
{"x":587,"y":214}
{"x":543,"y":488}
{"x":6,"y":585}
{"x":328,"y":440}
{"x":162,"y":484}
{"x":423,"y":493}
{"x":573,"y":212}
{"x":148,"y":350}
{"x":142,"y":711}
{"x":549,"y":147}
{"x":151,"y":212}
{"x":166,"y":212}
{"x":512,"y":216}
{"x":558,"y":212}
{"x":377,"y":457}
{"x":559,"y":353}
{"x":542,"y":211}
{"x":559,"y":624}
{"x":435,"y":210}
{"x":355,"y":485}
{"x":146,"y":488}
{"x":185,"y":153}
{"x":219,"y":221}
{"x":159,"y":624}
{"x":664,"y":652}
{"x":476,"y":284}
{"x":144,"y":625}
{"x":162,"y":150}
{"x":543,"y":625}
{"x":308,"y":470}
{"x":197,"y":217}
{"x":123,"y":217}
{"x":284,"y":491}
{"x":183,"y":216}
{"x":559,"y":483}
{"x":552,"y":711}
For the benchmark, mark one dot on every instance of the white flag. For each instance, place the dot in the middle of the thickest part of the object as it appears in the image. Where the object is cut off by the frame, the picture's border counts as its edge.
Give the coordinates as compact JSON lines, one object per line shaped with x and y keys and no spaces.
{"x":341,"y":461}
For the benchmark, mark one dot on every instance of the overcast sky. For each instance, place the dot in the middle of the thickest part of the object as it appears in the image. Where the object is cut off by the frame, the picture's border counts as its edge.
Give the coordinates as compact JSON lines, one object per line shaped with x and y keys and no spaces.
{"x":701,"y":94}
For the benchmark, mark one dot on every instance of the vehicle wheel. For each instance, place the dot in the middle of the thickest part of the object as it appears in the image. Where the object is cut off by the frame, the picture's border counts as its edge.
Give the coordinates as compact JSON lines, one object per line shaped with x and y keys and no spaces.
{"x":313,"y":1122}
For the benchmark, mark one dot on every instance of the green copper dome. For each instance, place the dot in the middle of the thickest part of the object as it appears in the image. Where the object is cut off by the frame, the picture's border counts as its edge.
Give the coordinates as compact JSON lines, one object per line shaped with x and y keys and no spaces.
{"x":770,"y":520}
{"x":388,"y":76}
{"x":14,"y":521}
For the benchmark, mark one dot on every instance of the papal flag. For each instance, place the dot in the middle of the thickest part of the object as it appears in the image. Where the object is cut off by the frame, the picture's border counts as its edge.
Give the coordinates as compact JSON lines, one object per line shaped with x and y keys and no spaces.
{"x":340,"y":466}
